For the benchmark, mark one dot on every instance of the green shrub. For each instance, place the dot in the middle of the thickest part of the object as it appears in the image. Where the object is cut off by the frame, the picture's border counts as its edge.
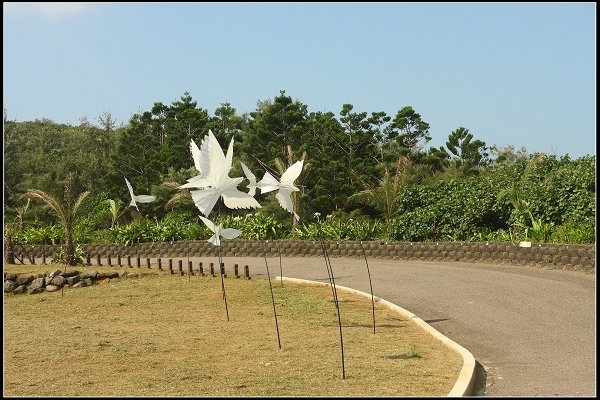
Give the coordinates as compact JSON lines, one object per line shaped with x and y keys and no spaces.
{"x":574,"y":232}
{"x":47,"y":234}
{"x":259,"y":226}
{"x":136,"y":232}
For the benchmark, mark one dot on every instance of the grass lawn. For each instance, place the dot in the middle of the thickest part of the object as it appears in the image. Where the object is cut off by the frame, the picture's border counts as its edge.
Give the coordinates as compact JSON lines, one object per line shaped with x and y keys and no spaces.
{"x":161,"y":335}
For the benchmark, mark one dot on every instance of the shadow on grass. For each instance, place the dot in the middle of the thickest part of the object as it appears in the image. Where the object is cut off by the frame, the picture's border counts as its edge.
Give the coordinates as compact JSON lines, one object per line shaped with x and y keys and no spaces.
{"x":403,"y":356}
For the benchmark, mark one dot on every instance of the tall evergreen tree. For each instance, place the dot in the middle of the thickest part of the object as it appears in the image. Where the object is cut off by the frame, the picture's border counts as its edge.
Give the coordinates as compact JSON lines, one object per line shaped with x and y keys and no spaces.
{"x":467,"y":153}
{"x":410,"y":131}
{"x":273,"y":127}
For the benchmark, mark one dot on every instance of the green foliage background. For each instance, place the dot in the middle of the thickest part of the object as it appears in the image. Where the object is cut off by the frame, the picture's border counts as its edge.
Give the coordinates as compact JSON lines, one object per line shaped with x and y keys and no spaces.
{"x":468,"y":191}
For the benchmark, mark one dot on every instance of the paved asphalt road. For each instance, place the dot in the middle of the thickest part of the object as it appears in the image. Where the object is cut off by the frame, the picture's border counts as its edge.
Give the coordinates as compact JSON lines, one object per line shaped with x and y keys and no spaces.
{"x":533,"y":330}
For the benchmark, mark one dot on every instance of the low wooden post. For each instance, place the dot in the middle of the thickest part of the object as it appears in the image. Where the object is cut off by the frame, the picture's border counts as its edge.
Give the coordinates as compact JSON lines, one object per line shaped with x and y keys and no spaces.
{"x":160,"y":264}
{"x":98,"y":260}
{"x":129,"y":261}
{"x":223,"y":270}
{"x":190,"y":272}
{"x":246,"y":272}
{"x":147,"y":262}
{"x":200,"y":268}
{"x":180,"y":267}
{"x":235,"y":270}
{"x":170,"y":265}
{"x":88,"y":260}
{"x":137,"y":262}
{"x":109,"y":260}
{"x":212,"y":270}
{"x":119,"y":260}
{"x":44,"y":258}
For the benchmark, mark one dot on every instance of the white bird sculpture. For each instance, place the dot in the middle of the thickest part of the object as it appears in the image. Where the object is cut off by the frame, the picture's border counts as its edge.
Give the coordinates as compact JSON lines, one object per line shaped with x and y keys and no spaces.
{"x":216,"y":182}
{"x":227,"y":233}
{"x":140,"y":198}
{"x":252,"y":186}
{"x":285,"y":186}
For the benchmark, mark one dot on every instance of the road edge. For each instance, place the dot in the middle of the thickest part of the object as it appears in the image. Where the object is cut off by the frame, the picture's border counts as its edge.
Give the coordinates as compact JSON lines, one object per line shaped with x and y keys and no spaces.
{"x":466,"y":378}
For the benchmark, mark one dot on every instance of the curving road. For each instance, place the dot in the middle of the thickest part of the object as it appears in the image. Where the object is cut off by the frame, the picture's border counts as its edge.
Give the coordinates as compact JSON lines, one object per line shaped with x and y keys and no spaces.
{"x":533,"y":330}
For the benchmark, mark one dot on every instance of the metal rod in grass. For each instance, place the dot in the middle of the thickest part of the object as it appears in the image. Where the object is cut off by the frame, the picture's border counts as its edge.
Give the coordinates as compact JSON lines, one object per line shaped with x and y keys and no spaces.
{"x":271,"y":289}
{"x":280,"y":269}
{"x":333,"y":289}
{"x":222,"y":281}
{"x":137,"y":254}
{"x":370,"y":284}
{"x":62,"y":289}
{"x":227,"y":233}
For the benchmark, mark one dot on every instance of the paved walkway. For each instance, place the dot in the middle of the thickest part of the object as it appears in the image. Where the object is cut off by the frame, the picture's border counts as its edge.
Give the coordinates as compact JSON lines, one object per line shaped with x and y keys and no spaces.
{"x":533,"y":330}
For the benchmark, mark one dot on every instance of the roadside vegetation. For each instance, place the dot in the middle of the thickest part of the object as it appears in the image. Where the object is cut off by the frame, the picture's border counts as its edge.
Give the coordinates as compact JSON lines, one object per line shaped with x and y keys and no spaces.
{"x":367,"y":176}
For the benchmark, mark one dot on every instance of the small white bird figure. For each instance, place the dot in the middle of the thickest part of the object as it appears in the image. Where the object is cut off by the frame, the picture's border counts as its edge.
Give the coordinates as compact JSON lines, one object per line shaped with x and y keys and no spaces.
{"x":285,"y":186}
{"x":227,"y":233}
{"x":216,"y":181}
{"x":140,"y":198}
{"x":252,"y":186}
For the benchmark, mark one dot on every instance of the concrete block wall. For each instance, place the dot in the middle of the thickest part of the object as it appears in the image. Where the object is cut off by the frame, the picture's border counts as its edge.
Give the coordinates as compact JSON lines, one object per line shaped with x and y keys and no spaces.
{"x":563,"y":256}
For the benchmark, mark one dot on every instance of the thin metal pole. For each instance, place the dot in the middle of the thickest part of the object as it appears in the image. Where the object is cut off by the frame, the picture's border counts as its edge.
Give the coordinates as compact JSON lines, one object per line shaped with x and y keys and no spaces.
{"x":223,"y":284}
{"x":272,"y":297}
{"x":370,"y":285}
{"x":334,"y":291}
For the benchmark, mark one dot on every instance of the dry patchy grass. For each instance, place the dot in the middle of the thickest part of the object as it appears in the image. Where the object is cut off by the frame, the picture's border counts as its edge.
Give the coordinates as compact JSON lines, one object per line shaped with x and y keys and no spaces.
{"x":163,"y":335}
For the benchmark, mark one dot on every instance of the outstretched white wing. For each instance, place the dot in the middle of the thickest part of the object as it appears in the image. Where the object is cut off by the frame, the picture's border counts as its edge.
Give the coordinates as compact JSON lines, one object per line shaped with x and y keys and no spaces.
{"x":233,"y":198}
{"x":285,"y":201}
{"x":132,"y":203}
{"x":268,"y":183}
{"x":212,"y":160}
{"x":198,"y":181}
{"x":252,"y":186}
{"x":211,"y":225}
{"x":144,"y":198}
{"x":195,"y":155}
{"x":229,"y":156}
{"x":291,"y":174}
{"x":230,"y":233}
{"x":205,"y":199}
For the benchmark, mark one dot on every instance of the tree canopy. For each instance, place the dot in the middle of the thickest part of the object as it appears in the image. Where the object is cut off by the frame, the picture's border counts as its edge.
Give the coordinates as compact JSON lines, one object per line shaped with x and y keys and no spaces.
{"x":356,"y":161}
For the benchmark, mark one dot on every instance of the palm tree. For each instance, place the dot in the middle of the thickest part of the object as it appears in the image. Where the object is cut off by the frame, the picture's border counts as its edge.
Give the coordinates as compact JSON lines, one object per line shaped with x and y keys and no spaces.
{"x":116,"y":211}
{"x":10,"y":229}
{"x":65,"y":211}
{"x":385,"y":197}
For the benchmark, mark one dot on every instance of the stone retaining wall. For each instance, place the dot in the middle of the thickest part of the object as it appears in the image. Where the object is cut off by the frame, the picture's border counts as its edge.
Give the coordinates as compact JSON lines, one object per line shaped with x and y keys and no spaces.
{"x":564,"y":256}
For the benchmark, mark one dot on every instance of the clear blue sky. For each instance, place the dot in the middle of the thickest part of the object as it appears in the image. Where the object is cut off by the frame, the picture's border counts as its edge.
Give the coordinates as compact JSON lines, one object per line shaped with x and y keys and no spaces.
{"x":512,"y":73}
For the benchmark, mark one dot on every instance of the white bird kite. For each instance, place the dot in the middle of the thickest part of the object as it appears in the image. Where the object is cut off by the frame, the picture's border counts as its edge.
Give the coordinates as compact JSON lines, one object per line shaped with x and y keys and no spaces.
{"x":285,"y":186}
{"x":216,"y":182}
{"x":252,"y":186}
{"x":140,"y":198}
{"x":227,"y":233}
